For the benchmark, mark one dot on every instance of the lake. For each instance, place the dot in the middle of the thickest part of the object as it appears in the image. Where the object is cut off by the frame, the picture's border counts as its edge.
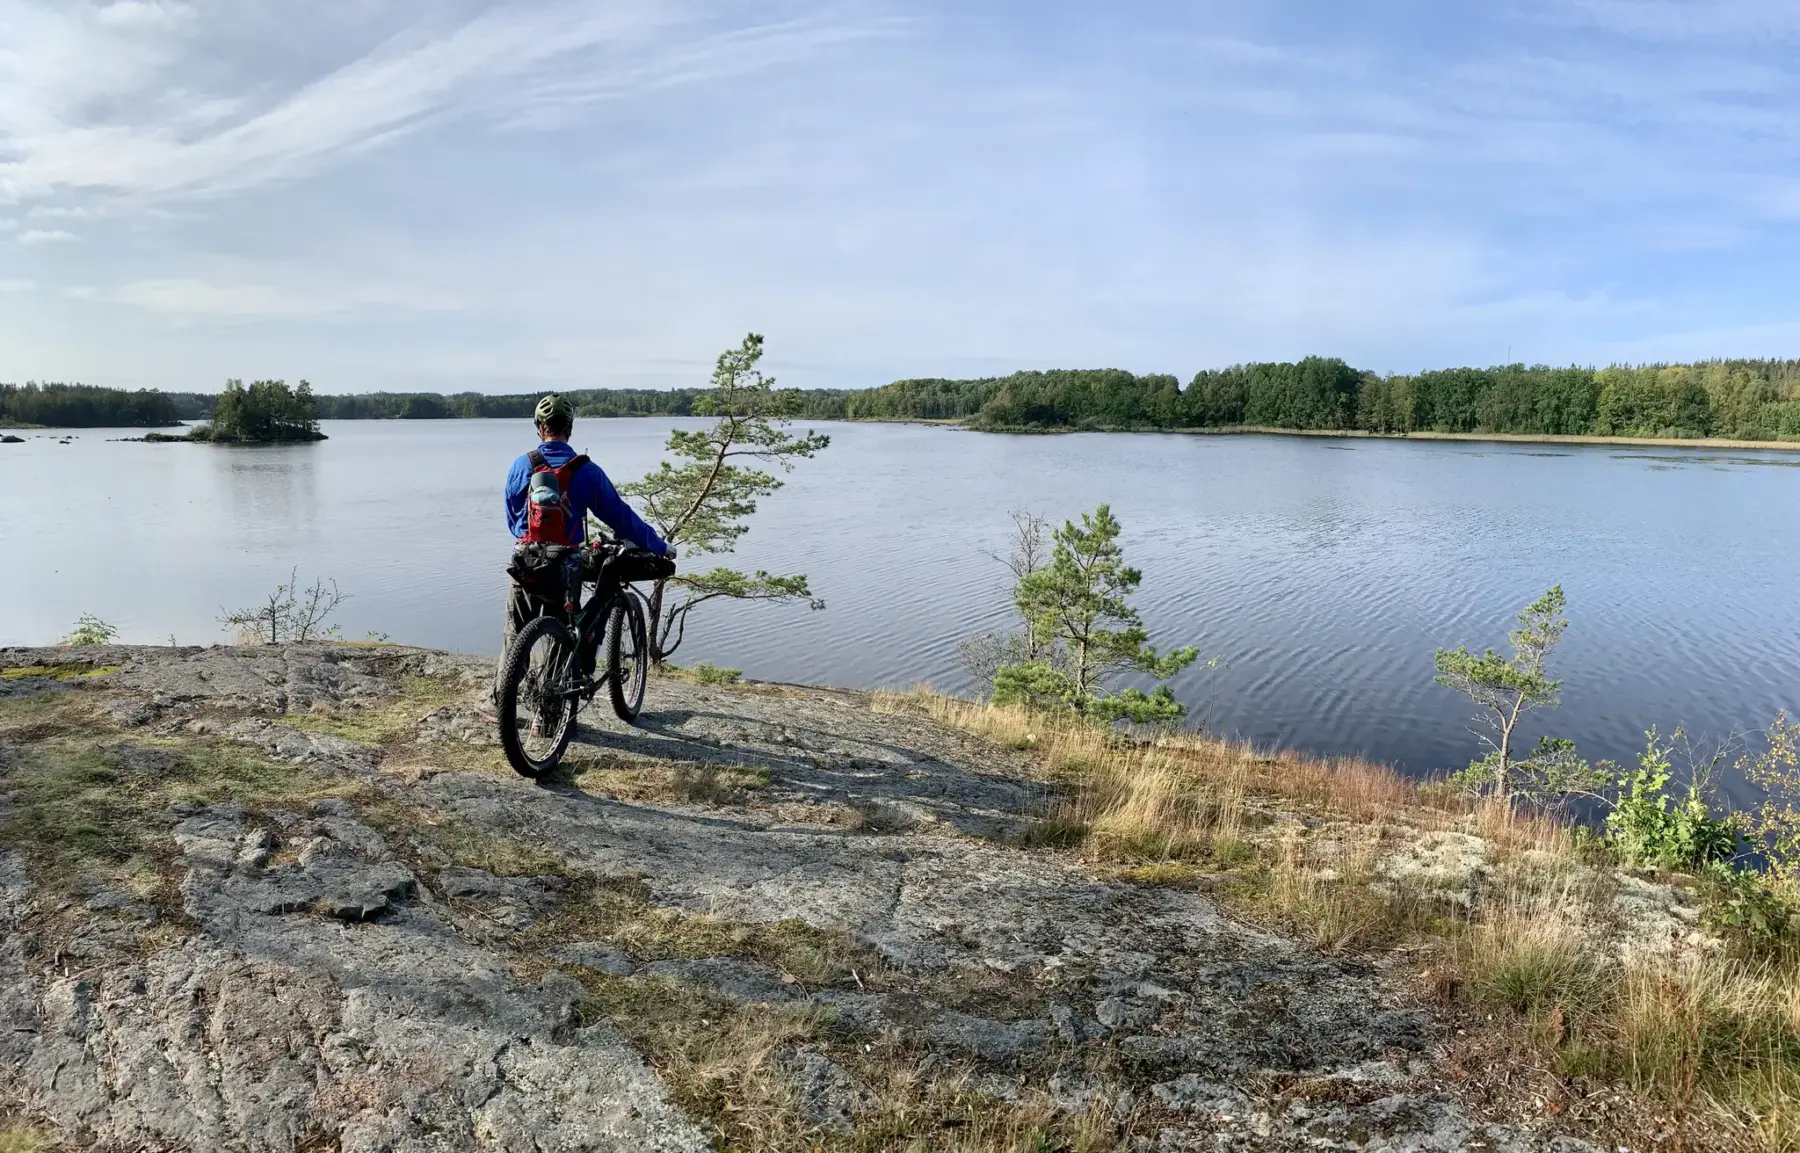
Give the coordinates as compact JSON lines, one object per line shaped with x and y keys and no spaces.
{"x":1323,"y":572}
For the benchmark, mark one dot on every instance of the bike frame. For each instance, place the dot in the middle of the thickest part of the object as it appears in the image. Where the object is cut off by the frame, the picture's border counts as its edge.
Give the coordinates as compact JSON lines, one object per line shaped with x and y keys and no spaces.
{"x":590,"y":618}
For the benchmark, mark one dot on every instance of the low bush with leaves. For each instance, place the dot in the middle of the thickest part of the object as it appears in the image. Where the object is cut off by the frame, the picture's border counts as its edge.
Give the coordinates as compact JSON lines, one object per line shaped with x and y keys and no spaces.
{"x":1745,"y":905}
{"x":1651,"y":825}
{"x":90,"y":630}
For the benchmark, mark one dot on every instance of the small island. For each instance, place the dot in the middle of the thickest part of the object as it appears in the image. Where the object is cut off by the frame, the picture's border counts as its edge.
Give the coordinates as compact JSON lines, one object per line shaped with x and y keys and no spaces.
{"x":267,"y":412}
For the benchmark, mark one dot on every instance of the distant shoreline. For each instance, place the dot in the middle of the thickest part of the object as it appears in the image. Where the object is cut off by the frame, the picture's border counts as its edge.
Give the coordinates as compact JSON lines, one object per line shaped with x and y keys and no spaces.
{"x":1361,"y":434}
{"x":1713,"y":442}
{"x":1510,"y":438}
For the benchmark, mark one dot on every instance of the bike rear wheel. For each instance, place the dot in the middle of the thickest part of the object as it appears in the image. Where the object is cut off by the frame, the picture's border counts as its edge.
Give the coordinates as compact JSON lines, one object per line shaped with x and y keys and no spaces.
{"x":627,"y":657}
{"x":537,"y":710}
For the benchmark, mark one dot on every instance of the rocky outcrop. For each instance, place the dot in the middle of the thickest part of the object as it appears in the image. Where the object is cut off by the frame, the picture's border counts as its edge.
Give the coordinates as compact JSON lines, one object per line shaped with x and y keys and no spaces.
{"x":408,"y":956}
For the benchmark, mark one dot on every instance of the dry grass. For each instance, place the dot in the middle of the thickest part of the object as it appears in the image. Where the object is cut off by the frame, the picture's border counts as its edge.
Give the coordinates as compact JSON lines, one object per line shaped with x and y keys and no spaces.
{"x":1706,"y":1036}
{"x":1711,"y":1040}
{"x":434,"y":839}
{"x":24,"y":1139}
{"x":705,"y":673}
{"x":667,"y":782}
{"x":728,"y":1065}
{"x":1071,"y":749}
{"x":92,"y":804}
{"x":64,"y":672}
{"x":384,"y":723}
{"x":1331,"y":894}
{"x":1182,"y":790}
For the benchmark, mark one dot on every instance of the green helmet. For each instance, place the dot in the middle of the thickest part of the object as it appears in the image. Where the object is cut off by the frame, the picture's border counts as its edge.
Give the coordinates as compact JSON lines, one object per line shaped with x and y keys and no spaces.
{"x":556,"y":404}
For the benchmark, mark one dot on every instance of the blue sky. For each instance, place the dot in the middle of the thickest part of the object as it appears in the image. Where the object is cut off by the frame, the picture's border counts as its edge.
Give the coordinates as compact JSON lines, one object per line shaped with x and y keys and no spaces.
{"x":515,"y":196}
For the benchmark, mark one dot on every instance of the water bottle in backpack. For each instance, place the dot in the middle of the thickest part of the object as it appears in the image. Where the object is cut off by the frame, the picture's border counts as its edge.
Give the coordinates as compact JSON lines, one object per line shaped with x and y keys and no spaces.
{"x":549,"y":519}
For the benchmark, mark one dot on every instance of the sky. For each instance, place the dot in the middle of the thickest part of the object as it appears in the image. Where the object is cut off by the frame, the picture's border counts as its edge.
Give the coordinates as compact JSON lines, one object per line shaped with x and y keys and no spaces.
{"x":449,"y":195}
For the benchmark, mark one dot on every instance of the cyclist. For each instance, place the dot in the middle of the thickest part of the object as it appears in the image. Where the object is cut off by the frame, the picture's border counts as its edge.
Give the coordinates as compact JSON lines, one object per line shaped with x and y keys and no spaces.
{"x":585,"y":488}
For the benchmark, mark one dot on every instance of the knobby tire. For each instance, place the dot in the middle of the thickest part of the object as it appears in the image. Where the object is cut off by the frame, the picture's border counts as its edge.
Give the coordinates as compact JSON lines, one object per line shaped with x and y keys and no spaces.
{"x":627,"y":657}
{"x":514,"y":672}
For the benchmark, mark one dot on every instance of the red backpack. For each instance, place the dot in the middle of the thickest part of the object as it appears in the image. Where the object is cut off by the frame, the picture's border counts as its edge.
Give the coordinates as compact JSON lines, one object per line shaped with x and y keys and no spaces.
{"x":548,"y":518}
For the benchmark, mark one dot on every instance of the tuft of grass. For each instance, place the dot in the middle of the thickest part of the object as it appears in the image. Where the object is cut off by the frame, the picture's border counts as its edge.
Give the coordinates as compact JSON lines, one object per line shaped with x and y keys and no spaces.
{"x":90,"y":805}
{"x":67,"y":671}
{"x":724,"y":1064}
{"x":671,"y":782}
{"x":1337,"y":905}
{"x":1530,"y":964}
{"x":1076,"y":749}
{"x":384,"y":723}
{"x":1055,"y":832}
{"x":24,"y":1139}
{"x":721,"y":1060}
{"x":1708,"y":1035}
{"x":706,"y":673}
{"x":1167,"y":874}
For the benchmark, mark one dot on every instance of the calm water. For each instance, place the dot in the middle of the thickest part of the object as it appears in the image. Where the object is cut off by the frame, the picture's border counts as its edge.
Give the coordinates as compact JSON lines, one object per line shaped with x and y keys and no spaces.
{"x":1323,"y":572}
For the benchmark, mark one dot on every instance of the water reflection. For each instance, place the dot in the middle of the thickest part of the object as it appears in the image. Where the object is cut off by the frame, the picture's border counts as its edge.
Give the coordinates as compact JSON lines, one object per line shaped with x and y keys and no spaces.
{"x":1324,"y":578}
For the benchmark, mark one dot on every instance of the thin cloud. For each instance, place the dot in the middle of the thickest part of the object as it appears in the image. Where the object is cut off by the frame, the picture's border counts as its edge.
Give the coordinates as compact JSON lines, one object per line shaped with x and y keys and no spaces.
{"x":44,"y":236}
{"x":194,"y":299}
{"x":17,"y":285}
{"x":506,"y":63}
{"x":493,"y":189}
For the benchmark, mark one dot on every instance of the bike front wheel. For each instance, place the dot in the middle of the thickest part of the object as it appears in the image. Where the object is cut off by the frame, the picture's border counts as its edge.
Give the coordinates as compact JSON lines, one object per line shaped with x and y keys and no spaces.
{"x":627,"y":657}
{"x":537,"y":709}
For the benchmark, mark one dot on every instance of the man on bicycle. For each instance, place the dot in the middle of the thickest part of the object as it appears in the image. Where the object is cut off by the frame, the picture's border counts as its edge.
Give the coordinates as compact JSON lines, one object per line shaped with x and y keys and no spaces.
{"x":583,"y":488}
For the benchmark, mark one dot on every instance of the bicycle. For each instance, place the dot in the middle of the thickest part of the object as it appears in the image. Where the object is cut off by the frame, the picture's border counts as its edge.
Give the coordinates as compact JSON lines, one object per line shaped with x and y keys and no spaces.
{"x":547,"y":673}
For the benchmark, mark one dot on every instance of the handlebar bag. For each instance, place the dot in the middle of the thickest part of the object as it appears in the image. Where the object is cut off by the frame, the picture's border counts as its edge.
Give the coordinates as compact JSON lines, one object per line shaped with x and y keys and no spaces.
{"x":635,"y":565}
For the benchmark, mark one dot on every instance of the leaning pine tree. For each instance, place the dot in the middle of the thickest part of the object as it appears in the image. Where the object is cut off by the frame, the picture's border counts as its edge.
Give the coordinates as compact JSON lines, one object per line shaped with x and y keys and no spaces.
{"x":1077,"y":616}
{"x":1504,"y":689}
{"x":701,"y":502}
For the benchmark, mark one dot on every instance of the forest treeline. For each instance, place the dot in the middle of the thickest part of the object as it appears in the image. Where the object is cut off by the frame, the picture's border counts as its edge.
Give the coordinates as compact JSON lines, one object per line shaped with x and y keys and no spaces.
{"x":58,"y":405}
{"x":1739,"y":399}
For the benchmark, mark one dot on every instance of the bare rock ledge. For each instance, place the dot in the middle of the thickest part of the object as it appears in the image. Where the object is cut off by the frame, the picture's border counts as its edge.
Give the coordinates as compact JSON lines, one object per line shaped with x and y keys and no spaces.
{"x":324,"y":915}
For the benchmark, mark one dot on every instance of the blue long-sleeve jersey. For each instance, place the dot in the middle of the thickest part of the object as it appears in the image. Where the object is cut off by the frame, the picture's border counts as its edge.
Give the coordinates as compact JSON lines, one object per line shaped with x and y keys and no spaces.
{"x":589,"y":491}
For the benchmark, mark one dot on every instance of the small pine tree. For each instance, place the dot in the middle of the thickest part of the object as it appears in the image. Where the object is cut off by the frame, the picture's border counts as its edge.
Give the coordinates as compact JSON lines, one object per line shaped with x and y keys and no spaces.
{"x":701,"y":503}
{"x":1077,"y":616}
{"x":1506,"y":688}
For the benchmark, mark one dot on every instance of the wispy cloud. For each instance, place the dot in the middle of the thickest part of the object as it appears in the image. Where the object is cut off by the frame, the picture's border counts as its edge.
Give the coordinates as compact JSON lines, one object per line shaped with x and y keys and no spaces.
{"x":17,"y":285}
{"x":576,"y":190}
{"x":512,"y":64}
{"x":190,"y":298}
{"x":44,"y":236}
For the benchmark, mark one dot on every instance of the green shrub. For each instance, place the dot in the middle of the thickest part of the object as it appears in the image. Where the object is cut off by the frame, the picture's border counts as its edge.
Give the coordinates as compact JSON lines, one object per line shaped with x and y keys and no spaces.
{"x":91,"y":630}
{"x":1649,"y":825}
{"x":1746,"y":906}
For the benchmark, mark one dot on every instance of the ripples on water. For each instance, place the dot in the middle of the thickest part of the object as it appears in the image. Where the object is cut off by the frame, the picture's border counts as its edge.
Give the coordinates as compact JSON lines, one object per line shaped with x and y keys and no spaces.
{"x":1324,"y":573}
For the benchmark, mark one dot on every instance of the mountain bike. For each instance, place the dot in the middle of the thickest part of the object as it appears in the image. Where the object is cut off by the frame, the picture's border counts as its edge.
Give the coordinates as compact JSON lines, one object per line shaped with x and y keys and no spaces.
{"x":548,"y":671}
